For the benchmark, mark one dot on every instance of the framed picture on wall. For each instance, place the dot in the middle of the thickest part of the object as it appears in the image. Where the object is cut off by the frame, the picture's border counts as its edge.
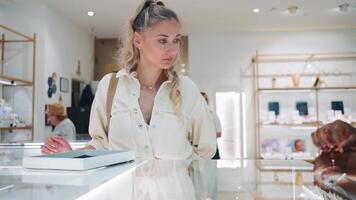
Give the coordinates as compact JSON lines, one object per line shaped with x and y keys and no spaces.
{"x":64,"y":84}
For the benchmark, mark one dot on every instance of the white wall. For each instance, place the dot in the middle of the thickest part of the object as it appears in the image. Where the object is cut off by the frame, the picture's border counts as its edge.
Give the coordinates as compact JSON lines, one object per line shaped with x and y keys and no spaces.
{"x":60,"y":44}
{"x":226,"y":59}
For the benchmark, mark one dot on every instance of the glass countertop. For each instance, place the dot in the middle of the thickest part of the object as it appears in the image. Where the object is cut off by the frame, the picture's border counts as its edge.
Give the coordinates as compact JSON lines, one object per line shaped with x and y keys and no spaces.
{"x":180,"y":179}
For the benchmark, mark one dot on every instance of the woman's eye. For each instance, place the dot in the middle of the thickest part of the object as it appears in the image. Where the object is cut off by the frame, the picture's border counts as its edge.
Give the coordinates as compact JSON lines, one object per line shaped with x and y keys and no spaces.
{"x":177,"y":41}
{"x":162,"y":41}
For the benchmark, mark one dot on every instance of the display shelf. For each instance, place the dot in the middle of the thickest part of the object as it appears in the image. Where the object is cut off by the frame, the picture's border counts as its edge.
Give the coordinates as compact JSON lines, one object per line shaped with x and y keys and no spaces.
{"x":16,"y":128}
{"x":274,"y":82}
{"x":14,"y":81}
{"x":275,"y":58}
{"x":306,"y":75}
{"x":297,"y":126}
{"x":286,"y":164}
{"x":303,"y":124}
{"x":298,"y":89}
{"x":10,"y":36}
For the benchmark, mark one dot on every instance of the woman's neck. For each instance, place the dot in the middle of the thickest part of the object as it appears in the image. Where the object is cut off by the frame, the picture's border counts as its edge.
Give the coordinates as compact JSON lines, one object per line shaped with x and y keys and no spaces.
{"x":149,"y":76}
{"x":56,"y":122}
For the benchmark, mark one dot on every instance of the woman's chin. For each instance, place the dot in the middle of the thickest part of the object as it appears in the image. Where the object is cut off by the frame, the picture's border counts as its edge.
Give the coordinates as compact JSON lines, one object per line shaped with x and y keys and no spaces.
{"x":166,"y":66}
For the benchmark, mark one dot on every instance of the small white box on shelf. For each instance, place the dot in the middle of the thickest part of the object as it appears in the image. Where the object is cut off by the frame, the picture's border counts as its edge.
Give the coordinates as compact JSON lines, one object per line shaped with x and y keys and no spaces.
{"x":78,"y":160}
{"x":271,"y":116}
{"x":296,"y":118}
{"x":338,"y":114}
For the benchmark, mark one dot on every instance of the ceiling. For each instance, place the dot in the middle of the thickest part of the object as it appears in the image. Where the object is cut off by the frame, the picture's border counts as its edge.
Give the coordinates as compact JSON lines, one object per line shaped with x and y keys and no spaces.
{"x":111,"y":16}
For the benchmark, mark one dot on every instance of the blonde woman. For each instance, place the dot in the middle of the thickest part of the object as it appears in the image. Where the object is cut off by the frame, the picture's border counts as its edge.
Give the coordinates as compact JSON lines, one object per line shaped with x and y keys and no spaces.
{"x":155,"y":112}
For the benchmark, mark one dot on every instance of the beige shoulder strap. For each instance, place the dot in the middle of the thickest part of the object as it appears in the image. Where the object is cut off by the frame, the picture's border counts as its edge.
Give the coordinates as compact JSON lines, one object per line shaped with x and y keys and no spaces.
{"x":110,"y":97}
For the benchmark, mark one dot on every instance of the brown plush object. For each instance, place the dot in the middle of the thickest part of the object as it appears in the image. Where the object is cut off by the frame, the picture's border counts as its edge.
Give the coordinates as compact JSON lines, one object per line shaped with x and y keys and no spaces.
{"x":336,"y":136}
{"x":335,"y":167}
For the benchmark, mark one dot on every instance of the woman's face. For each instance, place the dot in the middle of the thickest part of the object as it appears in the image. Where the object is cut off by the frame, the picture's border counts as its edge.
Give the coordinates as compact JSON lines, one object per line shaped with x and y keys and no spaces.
{"x":52,"y":120}
{"x":159,"y":45}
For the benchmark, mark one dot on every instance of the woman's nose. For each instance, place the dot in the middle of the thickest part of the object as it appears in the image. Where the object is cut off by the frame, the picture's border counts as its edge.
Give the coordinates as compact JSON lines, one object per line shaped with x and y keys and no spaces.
{"x":173,"y":49}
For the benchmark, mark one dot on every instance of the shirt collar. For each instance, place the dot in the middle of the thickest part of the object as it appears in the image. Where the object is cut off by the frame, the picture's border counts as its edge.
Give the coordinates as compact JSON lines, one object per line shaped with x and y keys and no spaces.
{"x":133,"y":74}
{"x":124,"y":72}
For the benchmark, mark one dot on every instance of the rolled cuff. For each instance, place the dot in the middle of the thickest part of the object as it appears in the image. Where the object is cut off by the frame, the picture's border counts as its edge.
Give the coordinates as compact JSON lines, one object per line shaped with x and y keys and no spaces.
{"x":97,"y":144}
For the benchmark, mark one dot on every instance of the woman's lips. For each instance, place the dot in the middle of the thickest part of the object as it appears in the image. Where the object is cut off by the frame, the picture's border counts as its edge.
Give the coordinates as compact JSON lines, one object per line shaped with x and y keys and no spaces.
{"x":168,"y":60}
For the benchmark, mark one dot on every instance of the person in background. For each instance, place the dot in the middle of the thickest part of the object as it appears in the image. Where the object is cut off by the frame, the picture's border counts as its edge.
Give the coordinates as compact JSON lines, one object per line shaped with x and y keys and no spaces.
{"x":63,"y":126}
{"x":299,"y":146}
{"x":156,"y":113}
{"x":217,"y":125}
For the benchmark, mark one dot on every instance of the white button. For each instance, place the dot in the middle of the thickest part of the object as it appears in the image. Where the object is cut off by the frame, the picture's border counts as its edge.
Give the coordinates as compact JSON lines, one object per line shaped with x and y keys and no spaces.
{"x":146,"y":147}
{"x":140,"y":125}
{"x":153,"y":126}
{"x":134,"y":94}
{"x":135,"y":110}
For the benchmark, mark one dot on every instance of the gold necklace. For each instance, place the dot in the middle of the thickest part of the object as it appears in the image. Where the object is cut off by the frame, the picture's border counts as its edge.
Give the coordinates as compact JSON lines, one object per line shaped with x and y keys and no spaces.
{"x":147,"y":87}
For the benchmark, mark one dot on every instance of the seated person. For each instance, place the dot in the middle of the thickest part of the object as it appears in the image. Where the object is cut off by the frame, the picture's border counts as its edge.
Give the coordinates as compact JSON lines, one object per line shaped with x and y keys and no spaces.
{"x":63,"y":126}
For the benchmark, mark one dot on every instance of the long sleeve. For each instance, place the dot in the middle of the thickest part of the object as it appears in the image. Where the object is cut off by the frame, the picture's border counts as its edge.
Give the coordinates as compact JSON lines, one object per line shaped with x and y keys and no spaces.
{"x":217,"y":122}
{"x":98,"y":122}
{"x":203,"y":131}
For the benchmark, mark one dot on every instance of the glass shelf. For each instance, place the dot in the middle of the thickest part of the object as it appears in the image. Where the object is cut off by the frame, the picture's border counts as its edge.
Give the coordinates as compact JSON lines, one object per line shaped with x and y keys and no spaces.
{"x":312,"y":124}
{"x":15,"y":128}
{"x":303,"y":57}
{"x":305,"y":89}
{"x":13,"y":81}
{"x":306,"y":75}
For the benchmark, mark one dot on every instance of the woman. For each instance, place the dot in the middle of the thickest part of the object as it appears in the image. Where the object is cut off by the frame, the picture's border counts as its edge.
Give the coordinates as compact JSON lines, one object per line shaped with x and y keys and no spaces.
{"x":63,"y":126}
{"x":155,"y":112}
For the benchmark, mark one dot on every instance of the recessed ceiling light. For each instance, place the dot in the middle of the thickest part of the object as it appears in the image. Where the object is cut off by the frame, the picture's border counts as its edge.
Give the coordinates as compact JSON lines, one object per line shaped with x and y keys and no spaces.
{"x":183,"y":65}
{"x":344,"y":7}
{"x":91,"y":13}
{"x":256,"y":10}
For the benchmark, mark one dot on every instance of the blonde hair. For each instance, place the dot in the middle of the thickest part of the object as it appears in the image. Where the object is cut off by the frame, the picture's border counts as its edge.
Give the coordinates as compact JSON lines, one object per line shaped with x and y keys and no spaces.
{"x":56,"y":110}
{"x":148,"y":14}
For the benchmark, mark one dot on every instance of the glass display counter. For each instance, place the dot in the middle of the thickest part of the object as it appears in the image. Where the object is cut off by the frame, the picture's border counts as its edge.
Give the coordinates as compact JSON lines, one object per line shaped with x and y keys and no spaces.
{"x":181,"y":179}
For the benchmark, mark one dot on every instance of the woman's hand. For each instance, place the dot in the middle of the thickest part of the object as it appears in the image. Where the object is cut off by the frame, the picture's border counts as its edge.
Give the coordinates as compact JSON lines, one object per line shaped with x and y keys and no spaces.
{"x":336,"y":136}
{"x":55,"y":144}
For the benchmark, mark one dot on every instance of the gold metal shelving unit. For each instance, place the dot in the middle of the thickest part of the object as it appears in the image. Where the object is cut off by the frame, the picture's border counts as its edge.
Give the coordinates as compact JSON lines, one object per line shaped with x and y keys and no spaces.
{"x":292,"y":58}
{"x":11,"y":81}
{"x":289,"y":58}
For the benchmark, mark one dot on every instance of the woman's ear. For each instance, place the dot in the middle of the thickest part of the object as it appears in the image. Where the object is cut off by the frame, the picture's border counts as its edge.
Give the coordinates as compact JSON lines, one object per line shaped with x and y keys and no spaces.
{"x":137,"y":40}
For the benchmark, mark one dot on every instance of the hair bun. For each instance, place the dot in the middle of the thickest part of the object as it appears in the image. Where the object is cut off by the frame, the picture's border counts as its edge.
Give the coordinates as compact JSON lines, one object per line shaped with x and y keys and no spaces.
{"x":157,"y":3}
